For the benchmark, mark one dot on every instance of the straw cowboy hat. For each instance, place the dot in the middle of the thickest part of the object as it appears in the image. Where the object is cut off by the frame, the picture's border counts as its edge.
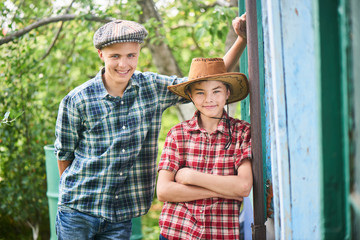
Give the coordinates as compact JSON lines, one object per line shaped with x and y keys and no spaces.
{"x":213,"y":69}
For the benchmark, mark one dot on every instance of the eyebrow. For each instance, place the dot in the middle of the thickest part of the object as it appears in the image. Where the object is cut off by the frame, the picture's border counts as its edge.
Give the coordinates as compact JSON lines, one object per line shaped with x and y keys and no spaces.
{"x":126,"y":54}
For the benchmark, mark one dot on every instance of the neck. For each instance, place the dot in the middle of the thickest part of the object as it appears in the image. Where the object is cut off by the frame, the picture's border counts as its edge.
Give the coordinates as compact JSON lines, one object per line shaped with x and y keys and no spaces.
{"x":115,"y":90}
{"x":208,"y":123}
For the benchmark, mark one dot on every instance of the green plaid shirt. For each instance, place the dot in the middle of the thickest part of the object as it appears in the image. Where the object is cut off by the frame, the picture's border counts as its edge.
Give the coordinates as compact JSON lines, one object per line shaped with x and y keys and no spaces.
{"x":112,"y":143}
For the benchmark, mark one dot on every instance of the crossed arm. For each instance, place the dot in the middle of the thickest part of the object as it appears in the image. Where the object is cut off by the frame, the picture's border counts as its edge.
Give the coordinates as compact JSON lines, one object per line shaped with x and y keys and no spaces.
{"x":189,"y":185}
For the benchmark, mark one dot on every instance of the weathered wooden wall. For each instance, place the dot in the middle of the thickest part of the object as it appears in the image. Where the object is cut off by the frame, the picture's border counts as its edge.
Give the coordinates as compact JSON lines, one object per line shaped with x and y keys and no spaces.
{"x":292,"y":116}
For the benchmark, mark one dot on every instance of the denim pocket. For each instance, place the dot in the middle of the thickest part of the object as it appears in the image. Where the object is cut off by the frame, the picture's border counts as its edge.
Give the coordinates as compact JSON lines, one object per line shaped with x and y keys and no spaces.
{"x":74,"y":225}
{"x":65,"y":209}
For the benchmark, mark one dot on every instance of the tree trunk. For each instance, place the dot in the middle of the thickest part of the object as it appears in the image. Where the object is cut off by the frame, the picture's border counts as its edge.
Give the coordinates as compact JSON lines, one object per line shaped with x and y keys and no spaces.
{"x":162,"y":56}
{"x":35,"y":230}
{"x":161,"y":53}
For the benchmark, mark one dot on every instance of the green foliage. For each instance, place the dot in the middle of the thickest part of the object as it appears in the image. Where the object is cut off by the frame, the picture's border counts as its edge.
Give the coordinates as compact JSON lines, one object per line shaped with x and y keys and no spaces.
{"x":150,"y":222}
{"x":7,"y":120}
{"x":22,"y":172}
{"x":33,"y":83}
{"x":196,"y":29}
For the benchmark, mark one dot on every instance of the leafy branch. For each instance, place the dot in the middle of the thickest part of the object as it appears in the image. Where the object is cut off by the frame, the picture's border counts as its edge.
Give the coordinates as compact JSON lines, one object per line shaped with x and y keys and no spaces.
{"x":6,"y":120}
{"x":57,"y":34}
{"x":62,"y":18}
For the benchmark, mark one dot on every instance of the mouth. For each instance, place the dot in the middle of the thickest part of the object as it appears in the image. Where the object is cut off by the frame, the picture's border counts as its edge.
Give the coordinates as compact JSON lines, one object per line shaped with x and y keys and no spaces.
{"x":209,"y":107}
{"x":122,"y":72}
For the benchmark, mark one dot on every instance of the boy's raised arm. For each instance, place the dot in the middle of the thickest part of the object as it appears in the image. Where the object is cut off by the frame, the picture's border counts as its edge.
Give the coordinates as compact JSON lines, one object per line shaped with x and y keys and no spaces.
{"x":231,"y":58}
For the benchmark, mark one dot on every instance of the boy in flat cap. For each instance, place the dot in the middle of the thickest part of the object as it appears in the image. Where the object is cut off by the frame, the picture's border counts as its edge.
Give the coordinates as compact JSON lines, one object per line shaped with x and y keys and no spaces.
{"x":205,"y":166}
{"x":106,"y":137}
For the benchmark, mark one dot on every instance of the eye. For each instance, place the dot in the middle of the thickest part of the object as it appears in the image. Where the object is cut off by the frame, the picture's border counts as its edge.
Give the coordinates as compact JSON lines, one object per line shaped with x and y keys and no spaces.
{"x":131,"y":55}
{"x":115,"y":56}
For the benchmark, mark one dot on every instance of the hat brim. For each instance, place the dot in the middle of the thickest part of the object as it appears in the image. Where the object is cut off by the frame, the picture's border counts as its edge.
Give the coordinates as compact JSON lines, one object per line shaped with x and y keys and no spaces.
{"x":239,"y":85}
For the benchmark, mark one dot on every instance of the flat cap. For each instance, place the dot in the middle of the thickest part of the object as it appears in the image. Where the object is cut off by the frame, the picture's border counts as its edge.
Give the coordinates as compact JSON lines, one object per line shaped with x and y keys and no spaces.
{"x":119,"y":31}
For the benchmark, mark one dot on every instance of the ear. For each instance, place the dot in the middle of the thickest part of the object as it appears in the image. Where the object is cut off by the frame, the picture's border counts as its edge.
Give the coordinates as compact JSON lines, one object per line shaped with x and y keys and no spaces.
{"x":188,"y":93}
{"x":228,"y":92}
{"x":190,"y":96}
{"x":100,"y":54}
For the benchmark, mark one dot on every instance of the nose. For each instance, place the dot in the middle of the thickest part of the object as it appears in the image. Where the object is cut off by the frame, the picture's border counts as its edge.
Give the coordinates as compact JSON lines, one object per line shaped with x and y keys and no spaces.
{"x":209,"y":97}
{"x":122,"y":62}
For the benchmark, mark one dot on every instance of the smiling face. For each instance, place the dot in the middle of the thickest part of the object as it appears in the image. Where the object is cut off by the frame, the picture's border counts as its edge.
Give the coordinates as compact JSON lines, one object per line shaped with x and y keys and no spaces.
{"x":209,"y":97}
{"x":120,"y":63}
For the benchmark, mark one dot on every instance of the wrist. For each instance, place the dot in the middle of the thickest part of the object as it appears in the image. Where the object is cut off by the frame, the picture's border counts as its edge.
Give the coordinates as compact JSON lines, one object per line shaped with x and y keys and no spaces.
{"x":241,"y":39}
{"x":187,"y":177}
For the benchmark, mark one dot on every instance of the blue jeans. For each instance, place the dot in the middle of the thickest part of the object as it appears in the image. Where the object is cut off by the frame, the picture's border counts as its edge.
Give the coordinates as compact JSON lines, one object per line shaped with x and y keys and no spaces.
{"x":161,"y":237}
{"x":72,"y":224}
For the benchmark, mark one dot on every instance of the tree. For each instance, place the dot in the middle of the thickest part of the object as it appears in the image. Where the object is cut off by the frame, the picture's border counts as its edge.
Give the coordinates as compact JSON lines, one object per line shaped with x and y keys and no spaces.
{"x":46,"y":50}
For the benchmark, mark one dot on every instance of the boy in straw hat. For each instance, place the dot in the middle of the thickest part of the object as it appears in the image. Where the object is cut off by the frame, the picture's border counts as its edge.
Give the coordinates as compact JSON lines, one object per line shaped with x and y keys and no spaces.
{"x":106,"y":137}
{"x":205,"y":166}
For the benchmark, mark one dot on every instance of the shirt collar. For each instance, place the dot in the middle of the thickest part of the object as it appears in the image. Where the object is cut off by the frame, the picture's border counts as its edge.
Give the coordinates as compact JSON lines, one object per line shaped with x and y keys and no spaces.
{"x":193,"y":124}
{"x":100,"y":87}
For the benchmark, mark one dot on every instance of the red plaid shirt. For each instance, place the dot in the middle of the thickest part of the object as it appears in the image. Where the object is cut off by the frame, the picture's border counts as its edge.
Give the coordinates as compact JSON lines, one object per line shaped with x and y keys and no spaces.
{"x":188,"y":145}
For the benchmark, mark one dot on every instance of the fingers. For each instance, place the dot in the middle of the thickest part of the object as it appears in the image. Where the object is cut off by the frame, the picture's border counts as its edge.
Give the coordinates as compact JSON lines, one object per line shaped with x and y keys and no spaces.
{"x":239,"y":25}
{"x":243,"y":16}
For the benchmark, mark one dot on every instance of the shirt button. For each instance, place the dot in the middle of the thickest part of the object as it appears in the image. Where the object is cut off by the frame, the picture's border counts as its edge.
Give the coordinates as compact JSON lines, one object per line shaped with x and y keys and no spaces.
{"x":116,"y":197}
{"x":123,"y":150}
{"x":121,"y":174}
{"x":123,"y":127}
{"x":122,"y":102}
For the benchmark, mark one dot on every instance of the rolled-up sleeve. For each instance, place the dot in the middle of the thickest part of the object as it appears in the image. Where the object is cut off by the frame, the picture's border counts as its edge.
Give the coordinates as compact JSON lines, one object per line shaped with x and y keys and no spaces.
{"x":243,"y":146}
{"x":166,"y":97}
{"x":68,"y":124}
{"x":170,"y":158}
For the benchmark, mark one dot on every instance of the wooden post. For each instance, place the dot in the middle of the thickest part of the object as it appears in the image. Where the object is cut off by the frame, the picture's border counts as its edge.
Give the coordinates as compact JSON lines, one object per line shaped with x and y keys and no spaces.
{"x":258,"y":228}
